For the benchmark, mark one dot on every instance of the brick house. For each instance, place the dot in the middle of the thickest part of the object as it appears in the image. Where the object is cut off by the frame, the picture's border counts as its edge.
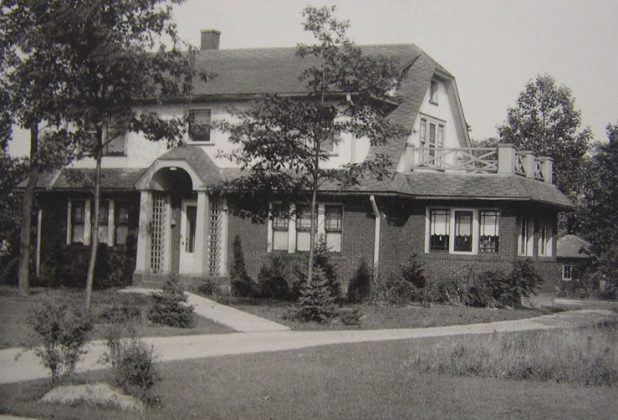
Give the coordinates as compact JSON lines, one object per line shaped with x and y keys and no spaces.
{"x":452,"y":204}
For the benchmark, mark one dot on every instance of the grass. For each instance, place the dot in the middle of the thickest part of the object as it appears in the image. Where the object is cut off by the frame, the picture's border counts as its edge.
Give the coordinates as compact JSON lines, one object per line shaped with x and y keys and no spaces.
{"x":390,"y":316}
{"x":14,"y":310}
{"x":366,"y":380}
{"x":588,"y":356}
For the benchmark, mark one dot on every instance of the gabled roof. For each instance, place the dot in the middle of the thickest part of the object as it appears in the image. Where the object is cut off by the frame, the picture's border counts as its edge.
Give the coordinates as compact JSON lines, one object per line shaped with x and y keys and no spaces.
{"x":571,"y":246}
{"x":277,"y":70}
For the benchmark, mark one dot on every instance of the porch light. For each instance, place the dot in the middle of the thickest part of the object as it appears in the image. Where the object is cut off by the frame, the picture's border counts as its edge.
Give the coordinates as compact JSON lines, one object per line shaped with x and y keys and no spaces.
{"x":172,"y":168}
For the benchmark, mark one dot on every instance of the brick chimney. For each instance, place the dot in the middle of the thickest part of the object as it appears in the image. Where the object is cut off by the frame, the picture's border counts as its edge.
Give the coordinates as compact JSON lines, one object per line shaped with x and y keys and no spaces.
{"x":210,"y":39}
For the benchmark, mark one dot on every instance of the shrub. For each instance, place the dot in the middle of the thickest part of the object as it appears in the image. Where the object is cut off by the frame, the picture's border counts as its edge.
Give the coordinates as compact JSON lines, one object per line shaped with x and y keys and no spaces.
{"x":133,"y":364}
{"x":321,"y":260}
{"x":272,"y":280}
{"x":396,"y":291}
{"x":359,"y":287}
{"x":521,"y":283}
{"x":412,"y":272}
{"x":60,"y":333}
{"x":206,"y":288}
{"x":67,"y":265}
{"x":169,"y":307}
{"x":119,"y":314}
{"x":350,"y":316}
{"x":242,"y":284}
{"x":486,"y":289}
{"x":316,"y":302}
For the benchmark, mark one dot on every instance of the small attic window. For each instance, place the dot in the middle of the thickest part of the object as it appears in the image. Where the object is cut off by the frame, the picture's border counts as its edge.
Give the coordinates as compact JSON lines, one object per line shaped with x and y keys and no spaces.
{"x":433,"y":92}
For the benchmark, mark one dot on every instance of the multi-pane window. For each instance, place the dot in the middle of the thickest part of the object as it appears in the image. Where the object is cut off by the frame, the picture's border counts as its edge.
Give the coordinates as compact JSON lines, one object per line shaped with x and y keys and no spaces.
{"x":121,"y":222}
{"x":526,"y":233}
{"x":489,"y":238}
{"x":467,"y":231}
{"x":303,"y":228}
{"x":280,"y":224}
{"x":439,"y":229}
{"x":78,"y":221}
{"x":333,"y":219}
{"x":200,"y":125}
{"x":115,"y":139}
{"x":463,"y":231}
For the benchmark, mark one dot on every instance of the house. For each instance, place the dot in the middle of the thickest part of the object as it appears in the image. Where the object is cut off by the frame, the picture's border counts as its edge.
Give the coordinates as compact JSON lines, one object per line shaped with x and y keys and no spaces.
{"x":573,"y":255}
{"x":453,"y":204}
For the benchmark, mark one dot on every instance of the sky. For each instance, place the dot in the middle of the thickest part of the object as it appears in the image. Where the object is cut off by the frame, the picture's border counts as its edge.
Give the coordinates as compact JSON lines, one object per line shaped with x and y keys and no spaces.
{"x":492,"y":47}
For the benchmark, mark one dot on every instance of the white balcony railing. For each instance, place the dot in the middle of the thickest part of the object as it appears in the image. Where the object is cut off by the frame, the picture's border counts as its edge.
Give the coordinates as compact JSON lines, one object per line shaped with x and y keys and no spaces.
{"x":503,"y":159}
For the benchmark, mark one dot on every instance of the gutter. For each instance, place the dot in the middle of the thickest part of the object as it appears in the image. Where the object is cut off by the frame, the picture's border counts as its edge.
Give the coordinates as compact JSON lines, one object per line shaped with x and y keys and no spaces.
{"x":376,"y":237}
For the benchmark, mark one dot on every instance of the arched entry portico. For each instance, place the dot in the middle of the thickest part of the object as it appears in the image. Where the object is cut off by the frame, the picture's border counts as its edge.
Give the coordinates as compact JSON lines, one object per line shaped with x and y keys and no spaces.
{"x":182,"y":229}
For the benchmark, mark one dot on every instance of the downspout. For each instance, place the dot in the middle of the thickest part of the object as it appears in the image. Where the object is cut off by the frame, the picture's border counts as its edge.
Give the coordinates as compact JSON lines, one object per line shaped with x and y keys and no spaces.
{"x":376,"y":235}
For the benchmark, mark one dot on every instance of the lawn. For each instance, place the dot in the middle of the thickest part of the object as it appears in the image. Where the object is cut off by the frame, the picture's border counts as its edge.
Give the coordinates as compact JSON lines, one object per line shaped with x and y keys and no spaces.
{"x":367,"y":380}
{"x":392,"y":316}
{"x":14,"y":310}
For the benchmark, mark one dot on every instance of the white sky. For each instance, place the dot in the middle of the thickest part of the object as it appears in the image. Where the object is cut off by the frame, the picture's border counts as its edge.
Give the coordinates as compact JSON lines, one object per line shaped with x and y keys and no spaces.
{"x":492,"y":47}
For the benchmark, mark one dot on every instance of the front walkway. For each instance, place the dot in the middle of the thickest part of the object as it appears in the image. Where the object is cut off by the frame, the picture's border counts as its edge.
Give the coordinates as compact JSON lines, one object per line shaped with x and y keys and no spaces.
{"x":230,"y":317}
{"x":28,"y":367}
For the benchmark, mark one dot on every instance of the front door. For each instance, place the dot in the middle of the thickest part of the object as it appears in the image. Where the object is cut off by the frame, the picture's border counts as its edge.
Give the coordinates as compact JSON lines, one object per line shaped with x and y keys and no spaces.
{"x":188,"y":218}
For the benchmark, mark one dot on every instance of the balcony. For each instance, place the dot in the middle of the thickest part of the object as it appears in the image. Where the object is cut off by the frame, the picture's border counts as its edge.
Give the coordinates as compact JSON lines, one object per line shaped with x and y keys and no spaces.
{"x":504,"y":160}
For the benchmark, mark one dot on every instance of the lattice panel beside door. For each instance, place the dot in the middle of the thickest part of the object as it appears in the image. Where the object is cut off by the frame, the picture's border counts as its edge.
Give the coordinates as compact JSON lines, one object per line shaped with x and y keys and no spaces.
{"x":157,"y":232}
{"x":214,"y":238}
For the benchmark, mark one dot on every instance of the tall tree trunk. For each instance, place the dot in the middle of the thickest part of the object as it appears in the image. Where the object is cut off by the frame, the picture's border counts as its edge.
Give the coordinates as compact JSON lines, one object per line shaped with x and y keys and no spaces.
{"x":95,"y":226}
{"x":26,"y":212}
{"x":313,"y":228}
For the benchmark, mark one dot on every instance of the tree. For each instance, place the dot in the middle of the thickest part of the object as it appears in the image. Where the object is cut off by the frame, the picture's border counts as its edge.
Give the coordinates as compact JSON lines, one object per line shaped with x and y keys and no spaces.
{"x":111,"y":55}
{"x":545,"y":121}
{"x":32,"y":90}
{"x":282,"y":139}
{"x":598,"y":212}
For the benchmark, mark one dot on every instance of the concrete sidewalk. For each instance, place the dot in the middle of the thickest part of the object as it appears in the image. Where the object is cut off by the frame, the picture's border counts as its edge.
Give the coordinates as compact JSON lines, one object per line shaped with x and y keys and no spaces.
{"x":28,"y":367}
{"x":230,"y":317}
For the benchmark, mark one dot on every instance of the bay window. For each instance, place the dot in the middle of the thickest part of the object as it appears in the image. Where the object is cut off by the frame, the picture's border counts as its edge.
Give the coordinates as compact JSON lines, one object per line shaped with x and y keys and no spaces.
{"x":526,"y":233}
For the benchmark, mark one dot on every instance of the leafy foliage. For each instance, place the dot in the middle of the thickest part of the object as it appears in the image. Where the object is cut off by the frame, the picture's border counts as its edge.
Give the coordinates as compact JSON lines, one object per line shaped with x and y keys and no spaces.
{"x":242,"y":284}
{"x":598,"y":213}
{"x":359,"y":287}
{"x":132,"y":361}
{"x":169,"y":307}
{"x":62,"y":331}
{"x":282,"y":140}
{"x":322,"y":261}
{"x":545,"y":121}
{"x":272,"y":280}
{"x":316,"y":302}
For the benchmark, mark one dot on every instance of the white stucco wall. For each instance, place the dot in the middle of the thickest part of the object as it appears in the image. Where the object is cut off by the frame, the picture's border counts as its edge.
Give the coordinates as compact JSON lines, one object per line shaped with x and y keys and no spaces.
{"x":140,"y":152}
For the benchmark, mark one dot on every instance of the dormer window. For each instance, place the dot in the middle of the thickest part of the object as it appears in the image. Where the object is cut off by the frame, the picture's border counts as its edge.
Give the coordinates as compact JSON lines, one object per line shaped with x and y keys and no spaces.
{"x":433,"y":92}
{"x":200,"y":125}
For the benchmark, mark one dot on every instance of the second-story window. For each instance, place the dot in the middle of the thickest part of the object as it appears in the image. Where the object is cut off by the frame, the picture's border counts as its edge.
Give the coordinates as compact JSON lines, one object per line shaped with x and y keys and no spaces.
{"x":200,"y":125}
{"x":114,"y":139}
{"x":433,"y":92}
{"x":432,"y":137}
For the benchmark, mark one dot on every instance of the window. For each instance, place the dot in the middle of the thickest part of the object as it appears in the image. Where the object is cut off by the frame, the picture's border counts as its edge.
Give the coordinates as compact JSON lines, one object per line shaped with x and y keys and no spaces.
{"x":544,"y":238}
{"x":524,"y":240}
{"x":432,"y":137}
{"x":113,"y":221}
{"x":303,"y":228}
{"x":200,"y":125}
{"x":103,"y":221}
{"x":280,"y":227}
{"x":489,"y":238}
{"x":77,"y":221}
{"x":566,"y":272}
{"x":115,"y":139}
{"x":439,"y":230}
{"x":333,"y":219}
{"x":433,"y":92}
{"x":289,"y":229}
{"x":463,"y":231}
{"x":121,"y":222}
